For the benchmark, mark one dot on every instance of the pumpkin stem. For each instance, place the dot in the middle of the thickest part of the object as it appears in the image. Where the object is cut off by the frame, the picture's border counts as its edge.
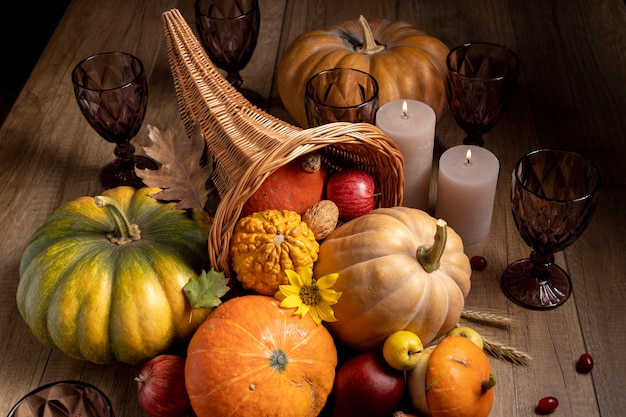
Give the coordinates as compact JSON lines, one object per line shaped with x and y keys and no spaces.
{"x":489,"y":383}
{"x":369,"y":46}
{"x":429,"y":256}
{"x":124,"y":232}
{"x":312,"y":162}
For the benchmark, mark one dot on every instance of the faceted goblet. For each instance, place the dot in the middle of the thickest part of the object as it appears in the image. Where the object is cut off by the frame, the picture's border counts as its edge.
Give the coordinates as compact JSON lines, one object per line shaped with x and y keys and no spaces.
{"x":480,"y":82}
{"x":112,"y":94}
{"x":554,"y":194}
{"x":228,"y":31}
{"x":63,"y":399}
{"x":341,"y":95}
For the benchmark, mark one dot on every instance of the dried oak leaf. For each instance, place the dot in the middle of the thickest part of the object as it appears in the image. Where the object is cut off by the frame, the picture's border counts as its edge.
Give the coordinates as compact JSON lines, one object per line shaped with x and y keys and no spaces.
{"x":181,"y":176}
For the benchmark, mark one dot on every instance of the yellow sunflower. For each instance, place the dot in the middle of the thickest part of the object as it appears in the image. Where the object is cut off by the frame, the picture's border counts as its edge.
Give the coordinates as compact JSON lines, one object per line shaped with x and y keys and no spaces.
{"x":309,"y":295}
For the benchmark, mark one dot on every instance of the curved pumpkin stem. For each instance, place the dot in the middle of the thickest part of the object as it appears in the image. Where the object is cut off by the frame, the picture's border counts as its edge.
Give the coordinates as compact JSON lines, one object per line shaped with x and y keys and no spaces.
{"x":124,"y":231}
{"x":429,"y":256}
{"x":489,"y":383}
{"x":369,"y":46}
{"x":312,"y":162}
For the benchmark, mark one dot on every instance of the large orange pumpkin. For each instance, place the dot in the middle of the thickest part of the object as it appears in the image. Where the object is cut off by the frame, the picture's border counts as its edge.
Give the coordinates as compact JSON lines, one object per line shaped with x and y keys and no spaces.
{"x":254,"y":358}
{"x":399,"y":269}
{"x":406,"y":62}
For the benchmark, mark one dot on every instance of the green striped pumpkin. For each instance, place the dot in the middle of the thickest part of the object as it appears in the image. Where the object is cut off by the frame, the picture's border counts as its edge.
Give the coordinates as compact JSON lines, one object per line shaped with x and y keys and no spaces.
{"x":91,"y":288}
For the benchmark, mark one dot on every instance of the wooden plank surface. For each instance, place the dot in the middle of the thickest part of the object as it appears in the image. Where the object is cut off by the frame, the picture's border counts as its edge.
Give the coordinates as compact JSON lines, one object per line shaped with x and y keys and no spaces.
{"x":571,"y":93}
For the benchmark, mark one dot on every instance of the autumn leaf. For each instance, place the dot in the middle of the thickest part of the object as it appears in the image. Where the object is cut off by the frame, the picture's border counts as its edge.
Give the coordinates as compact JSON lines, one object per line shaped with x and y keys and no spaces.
{"x":181,"y":176}
{"x":207,"y":290}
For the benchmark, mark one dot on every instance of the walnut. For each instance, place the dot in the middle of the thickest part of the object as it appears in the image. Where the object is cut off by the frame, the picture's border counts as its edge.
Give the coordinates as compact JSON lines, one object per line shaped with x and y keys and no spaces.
{"x":322,"y":218}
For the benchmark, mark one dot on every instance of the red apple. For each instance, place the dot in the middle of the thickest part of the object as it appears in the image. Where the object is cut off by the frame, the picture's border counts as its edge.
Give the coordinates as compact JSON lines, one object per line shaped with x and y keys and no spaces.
{"x":365,"y":385}
{"x":161,"y":387}
{"x":352,"y":190}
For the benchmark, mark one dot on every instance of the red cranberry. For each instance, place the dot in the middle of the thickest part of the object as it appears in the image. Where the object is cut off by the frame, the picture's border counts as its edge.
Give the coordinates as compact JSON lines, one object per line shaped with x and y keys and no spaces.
{"x":478,"y":263}
{"x":547,"y":405}
{"x":585,"y":363}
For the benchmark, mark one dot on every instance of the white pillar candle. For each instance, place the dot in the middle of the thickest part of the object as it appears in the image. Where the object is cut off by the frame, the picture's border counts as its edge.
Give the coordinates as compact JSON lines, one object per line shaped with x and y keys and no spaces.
{"x":411,"y":125}
{"x":466,"y":189}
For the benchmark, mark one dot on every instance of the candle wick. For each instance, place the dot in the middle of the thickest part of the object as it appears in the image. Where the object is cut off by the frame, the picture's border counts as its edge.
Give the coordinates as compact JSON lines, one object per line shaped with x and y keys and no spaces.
{"x":468,"y":162}
{"x":404,"y":115}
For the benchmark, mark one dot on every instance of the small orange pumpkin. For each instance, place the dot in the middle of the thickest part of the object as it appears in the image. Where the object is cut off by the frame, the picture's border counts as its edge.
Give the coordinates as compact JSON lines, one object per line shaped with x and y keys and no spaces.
{"x":267,"y":243}
{"x":453,"y":379}
{"x":295,"y":186}
{"x":252,"y":357}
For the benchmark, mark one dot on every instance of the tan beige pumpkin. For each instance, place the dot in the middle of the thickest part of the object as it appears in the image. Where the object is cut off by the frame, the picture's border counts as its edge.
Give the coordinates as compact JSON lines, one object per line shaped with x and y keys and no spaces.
{"x":254,"y":358}
{"x":406,"y":62}
{"x":399,"y":269}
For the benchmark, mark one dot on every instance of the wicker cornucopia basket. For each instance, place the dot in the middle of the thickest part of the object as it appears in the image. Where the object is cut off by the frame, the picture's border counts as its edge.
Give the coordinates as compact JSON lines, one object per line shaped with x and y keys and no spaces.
{"x":246,"y":145}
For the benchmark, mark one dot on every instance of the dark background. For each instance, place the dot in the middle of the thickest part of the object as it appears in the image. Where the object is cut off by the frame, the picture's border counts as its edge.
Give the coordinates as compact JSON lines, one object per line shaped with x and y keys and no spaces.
{"x":25,"y":31}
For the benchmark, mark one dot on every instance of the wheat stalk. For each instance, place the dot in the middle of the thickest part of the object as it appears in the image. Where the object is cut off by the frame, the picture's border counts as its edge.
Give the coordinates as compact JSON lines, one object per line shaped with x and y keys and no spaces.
{"x":494,"y":348}
{"x":486,"y":318}
{"x":507,"y":353}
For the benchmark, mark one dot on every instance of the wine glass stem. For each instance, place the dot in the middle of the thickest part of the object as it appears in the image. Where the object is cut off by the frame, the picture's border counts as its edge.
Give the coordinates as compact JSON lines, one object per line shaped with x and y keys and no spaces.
{"x":124,"y":152}
{"x":541,"y":263}
{"x":474,"y":139}
{"x":234,"y":79}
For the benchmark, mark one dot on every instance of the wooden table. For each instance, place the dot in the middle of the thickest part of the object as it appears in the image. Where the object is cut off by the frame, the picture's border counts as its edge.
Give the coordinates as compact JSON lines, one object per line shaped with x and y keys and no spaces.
{"x":572,"y":93}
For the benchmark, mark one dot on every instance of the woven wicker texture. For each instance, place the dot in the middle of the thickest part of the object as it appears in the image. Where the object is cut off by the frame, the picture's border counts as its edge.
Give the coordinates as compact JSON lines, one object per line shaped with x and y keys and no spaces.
{"x":247,"y":144}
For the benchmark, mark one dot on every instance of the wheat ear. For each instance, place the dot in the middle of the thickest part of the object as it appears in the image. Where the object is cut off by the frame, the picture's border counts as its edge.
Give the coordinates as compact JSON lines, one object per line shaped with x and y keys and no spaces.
{"x":490,"y":319}
{"x":496,"y":349}
{"x":507,"y":353}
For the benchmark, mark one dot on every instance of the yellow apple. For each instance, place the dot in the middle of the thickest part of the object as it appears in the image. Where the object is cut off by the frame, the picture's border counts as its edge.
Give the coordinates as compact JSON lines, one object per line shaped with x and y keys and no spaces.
{"x":403,"y":350}
{"x":468,"y":332}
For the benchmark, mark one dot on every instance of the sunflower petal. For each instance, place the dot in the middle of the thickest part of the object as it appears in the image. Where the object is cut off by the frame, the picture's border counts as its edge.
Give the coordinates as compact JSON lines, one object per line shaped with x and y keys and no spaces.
{"x":306,"y":276}
{"x":330,"y":297}
{"x":327,"y":281}
{"x":289,"y":290}
{"x":294,"y":278}
{"x":303,"y":309}
{"x":291,"y":302}
{"x":325,"y":312}
{"x":315,"y":316}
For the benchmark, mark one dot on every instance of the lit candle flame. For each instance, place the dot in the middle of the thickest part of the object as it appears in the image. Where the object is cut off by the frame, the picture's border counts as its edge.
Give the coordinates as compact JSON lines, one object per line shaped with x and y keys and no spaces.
{"x":468,"y":157}
{"x":405,"y":109}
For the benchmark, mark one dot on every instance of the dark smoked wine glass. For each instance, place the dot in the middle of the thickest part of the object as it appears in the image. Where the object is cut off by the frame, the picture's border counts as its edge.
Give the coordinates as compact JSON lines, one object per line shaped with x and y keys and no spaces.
{"x":480,"y":82}
{"x":228,"y":31}
{"x":64,"y":399}
{"x":554,"y":194}
{"x":112,"y":94}
{"x":341,"y":95}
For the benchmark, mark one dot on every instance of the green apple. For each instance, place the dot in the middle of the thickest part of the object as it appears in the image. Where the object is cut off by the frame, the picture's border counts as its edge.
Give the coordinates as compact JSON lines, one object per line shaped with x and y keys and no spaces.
{"x":468,"y":332}
{"x":403,"y":350}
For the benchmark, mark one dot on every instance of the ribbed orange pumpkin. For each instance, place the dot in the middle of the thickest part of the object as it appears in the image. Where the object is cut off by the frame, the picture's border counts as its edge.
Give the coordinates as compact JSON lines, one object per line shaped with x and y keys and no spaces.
{"x":253,"y":358}
{"x":399,"y":269}
{"x":406,"y":62}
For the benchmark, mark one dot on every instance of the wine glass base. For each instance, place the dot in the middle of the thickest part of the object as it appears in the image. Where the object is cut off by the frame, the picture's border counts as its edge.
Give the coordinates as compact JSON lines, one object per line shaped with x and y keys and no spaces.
{"x":522,"y":288}
{"x":119,"y":173}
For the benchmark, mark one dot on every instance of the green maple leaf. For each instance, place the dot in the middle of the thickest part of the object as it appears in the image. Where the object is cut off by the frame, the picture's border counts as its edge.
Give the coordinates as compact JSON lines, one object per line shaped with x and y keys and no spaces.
{"x":206,"y":290}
